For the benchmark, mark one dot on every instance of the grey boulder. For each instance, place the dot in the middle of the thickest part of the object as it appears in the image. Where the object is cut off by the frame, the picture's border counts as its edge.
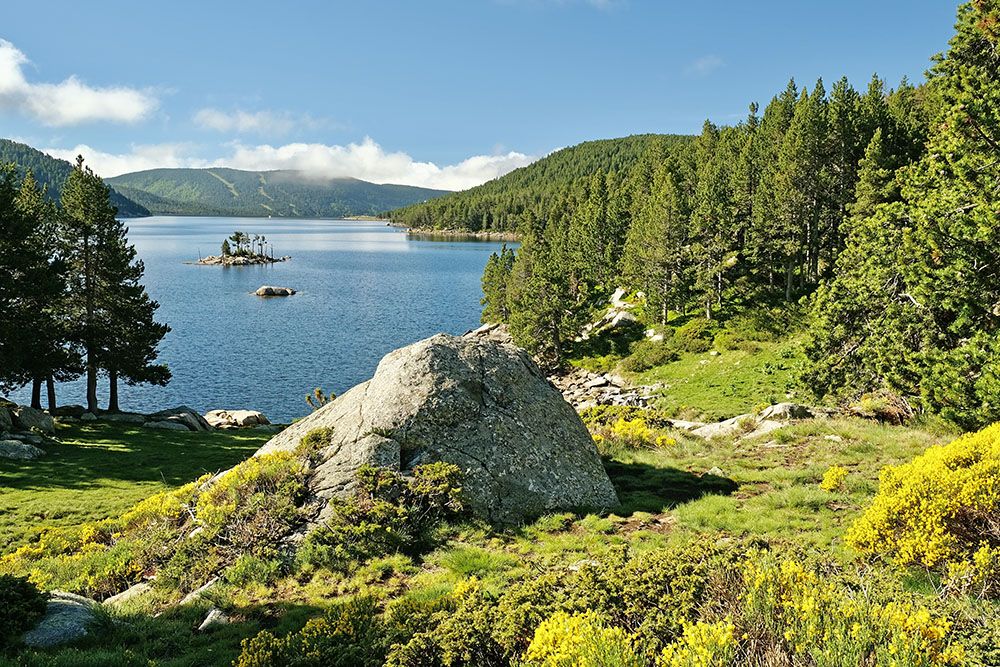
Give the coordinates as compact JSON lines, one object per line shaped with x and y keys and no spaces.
{"x":166,"y":426}
{"x":30,"y":419}
{"x":6,"y":419}
{"x":271,"y":290}
{"x":20,"y":451}
{"x":235,"y":418}
{"x":475,"y":401}
{"x":66,"y":619}
{"x":183,"y":415}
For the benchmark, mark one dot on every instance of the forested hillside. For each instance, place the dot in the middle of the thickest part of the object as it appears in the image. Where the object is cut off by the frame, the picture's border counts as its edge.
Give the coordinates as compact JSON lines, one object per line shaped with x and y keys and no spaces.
{"x":249,"y":193}
{"x":500,"y":204}
{"x":883,"y":199}
{"x":52,"y":173}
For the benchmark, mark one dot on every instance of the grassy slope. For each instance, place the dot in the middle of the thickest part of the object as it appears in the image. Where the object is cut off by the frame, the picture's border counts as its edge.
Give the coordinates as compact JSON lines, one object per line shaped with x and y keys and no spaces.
{"x":770,"y":490}
{"x":100,"y":470}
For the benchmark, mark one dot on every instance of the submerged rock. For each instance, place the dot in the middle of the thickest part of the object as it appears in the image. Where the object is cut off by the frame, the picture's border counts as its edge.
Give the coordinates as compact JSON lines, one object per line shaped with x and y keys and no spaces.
{"x":475,"y":401}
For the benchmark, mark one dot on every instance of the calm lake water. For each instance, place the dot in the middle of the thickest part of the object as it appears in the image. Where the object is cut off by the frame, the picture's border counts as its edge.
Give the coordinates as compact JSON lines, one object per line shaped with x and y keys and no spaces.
{"x":364,"y":290}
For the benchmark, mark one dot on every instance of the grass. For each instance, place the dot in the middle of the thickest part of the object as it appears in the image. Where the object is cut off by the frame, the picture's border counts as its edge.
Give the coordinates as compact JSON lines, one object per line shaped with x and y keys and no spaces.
{"x":101,"y":469}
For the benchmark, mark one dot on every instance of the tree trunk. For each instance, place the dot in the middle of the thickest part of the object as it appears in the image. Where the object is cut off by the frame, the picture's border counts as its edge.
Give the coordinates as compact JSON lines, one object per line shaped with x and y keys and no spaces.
{"x":36,"y":393}
{"x":789,"y":271}
{"x":113,"y":391}
{"x":88,"y":282}
{"x":50,"y":387}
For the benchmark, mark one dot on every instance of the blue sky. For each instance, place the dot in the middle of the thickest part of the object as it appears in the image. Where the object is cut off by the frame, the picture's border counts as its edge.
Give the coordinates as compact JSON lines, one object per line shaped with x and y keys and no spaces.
{"x":445,"y":93}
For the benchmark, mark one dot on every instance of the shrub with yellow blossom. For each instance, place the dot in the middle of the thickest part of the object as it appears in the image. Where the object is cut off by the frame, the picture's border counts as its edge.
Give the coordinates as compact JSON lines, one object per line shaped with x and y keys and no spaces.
{"x":581,"y":640}
{"x":634,"y":433}
{"x":833,"y":478}
{"x":702,"y":645}
{"x":940,"y":508}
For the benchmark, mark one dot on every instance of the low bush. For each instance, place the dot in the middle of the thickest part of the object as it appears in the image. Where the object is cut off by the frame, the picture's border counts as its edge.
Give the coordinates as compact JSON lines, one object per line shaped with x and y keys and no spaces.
{"x":695,"y":335}
{"x":632,"y":434}
{"x":581,"y":640}
{"x":22,"y":605}
{"x":599,"y":416}
{"x":350,"y":634}
{"x":388,"y":513}
{"x":940,"y":509}
{"x":648,"y":354}
{"x":834,"y":478}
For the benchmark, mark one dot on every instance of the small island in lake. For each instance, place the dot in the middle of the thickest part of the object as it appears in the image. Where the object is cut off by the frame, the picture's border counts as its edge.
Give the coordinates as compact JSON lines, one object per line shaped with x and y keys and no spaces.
{"x":242,"y":249}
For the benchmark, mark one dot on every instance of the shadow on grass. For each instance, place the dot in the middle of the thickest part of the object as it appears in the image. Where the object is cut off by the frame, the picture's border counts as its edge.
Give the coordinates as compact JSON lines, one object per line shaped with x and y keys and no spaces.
{"x":646,"y":488}
{"x":91,"y":455}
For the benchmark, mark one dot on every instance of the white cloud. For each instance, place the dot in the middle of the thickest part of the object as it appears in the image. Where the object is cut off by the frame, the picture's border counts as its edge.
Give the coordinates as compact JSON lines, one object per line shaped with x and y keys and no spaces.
{"x":141,"y":157}
{"x":273,"y":123}
{"x":70,"y":102}
{"x":704,"y":66}
{"x":365,"y":160}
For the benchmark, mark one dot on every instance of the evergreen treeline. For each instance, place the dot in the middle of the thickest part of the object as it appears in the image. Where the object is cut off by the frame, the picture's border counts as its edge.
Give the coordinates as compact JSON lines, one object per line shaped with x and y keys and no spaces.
{"x":51,"y":173}
{"x":880,"y":205}
{"x":740,"y":214}
{"x":70,"y":291}
{"x":500,"y":204}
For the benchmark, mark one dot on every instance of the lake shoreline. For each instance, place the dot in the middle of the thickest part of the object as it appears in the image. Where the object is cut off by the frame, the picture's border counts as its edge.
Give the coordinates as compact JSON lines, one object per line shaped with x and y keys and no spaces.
{"x":460,"y":235}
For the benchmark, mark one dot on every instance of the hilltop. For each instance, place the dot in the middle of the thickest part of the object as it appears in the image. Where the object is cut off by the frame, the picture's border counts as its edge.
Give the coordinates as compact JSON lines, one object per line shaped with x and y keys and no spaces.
{"x":52,"y":173}
{"x":233,"y":192}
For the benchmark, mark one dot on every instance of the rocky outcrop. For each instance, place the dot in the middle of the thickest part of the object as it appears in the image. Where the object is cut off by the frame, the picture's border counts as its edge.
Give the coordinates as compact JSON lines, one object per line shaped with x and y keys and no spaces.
{"x":767,"y":420}
{"x":475,"y":401}
{"x":583,"y":389}
{"x":271,"y":290}
{"x":66,"y":619}
{"x":30,"y":419}
{"x":183,"y":415}
{"x":240,"y":260}
{"x":236,"y":418}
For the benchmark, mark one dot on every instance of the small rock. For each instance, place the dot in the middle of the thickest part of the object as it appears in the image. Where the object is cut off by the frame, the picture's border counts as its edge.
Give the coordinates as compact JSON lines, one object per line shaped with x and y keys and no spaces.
{"x":713,"y":353}
{"x":599,"y":381}
{"x":165,"y":425}
{"x":69,"y":411}
{"x":19,"y":451}
{"x":88,"y":417}
{"x":214,"y":618}
{"x":833,"y":438}
{"x":66,"y":619}
{"x":685,"y":425}
{"x":270,"y":290}
{"x":197,"y":593}
{"x":715,"y":472}
{"x":787,"y":411}
{"x":128,"y":594}
{"x":124,"y":417}
{"x":723,"y":428}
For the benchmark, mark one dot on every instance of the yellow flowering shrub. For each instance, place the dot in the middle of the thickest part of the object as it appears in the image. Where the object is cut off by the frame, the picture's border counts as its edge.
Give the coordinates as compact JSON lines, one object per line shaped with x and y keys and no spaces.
{"x":833,"y":626}
{"x":833,"y":478}
{"x":978,"y":576}
{"x":634,"y":433}
{"x":939,"y":508}
{"x":581,"y":640}
{"x":701,"y":645}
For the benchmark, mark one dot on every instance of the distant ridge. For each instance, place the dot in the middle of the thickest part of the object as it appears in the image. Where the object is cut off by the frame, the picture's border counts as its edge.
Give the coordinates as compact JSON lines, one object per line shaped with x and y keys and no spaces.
{"x":283,"y":193}
{"x":52,"y":173}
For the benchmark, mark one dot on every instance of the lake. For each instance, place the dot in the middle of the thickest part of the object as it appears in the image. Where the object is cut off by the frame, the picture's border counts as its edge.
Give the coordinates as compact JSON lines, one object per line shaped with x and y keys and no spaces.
{"x":364,"y":289}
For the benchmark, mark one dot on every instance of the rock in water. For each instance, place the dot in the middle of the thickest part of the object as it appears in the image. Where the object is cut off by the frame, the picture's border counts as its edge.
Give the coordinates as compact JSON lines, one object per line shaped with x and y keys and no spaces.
{"x":270,"y":290}
{"x":474,"y":401}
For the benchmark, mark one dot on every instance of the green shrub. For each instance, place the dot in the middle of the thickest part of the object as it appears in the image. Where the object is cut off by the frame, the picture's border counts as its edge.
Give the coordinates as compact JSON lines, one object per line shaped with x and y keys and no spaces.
{"x":249,"y":569}
{"x":350,"y":634}
{"x":388,"y":513}
{"x":648,"y":354}
{"x":695,"y":335}
{"x":21,"y":606}
{"x":599,"y":416}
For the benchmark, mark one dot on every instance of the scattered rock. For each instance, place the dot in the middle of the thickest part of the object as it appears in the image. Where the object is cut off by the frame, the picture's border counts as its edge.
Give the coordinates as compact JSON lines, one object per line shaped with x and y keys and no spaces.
{"x":715,"y":471}
{"x":20,"y":451}
{"x":166,"y":425}
{"x":833,"y":438}
{"x":270,"y":290}
{"x":725,"y":428}
{"x":130,"y":593}
{"x":182,"y":415}
{"x":69,"y":411}
{"x":30,"y":419}
{"x":583,"y":389}
{"x":66,"y":619}
{"x":198,"y":592}
{"x":235,"y":418}
{"x":787,"y":411}
{"x":473,"y":401}
{"x":214,"y":618}
{"x":683,"y":425}
{"x":599,"y":381}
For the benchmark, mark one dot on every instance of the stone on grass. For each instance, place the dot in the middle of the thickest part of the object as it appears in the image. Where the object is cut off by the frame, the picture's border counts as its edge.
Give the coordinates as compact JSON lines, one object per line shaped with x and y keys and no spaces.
{"x":124,"y":417}
{"x":475,"y":401}
{"x":725,"y":428}
{"x":214,"y":618}
{"x":166,"y":426}
{"x":66,"y":619}
{"x":787,"y":411}
{"x":30,"y":419}
{"x":131,"y":593}
{"x":88,"y":417}
{"x":182,"y":415}
{"x":20,"y":451}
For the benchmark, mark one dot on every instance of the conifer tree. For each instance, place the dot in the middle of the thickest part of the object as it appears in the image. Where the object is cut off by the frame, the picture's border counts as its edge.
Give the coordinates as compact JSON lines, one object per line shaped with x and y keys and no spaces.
{"x":496,"y":276}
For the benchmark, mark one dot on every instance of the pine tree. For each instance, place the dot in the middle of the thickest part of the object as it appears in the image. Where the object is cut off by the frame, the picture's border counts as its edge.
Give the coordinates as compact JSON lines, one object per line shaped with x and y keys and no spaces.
{"x":495,"y":279}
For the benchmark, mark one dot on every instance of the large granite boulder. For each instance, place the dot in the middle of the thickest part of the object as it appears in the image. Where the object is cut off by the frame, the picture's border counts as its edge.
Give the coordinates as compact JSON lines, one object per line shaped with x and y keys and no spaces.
{"x":30,"y":419}
{"x":18,"y":450}
{"x":6,"y":418}
{"x":475,"y":401}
